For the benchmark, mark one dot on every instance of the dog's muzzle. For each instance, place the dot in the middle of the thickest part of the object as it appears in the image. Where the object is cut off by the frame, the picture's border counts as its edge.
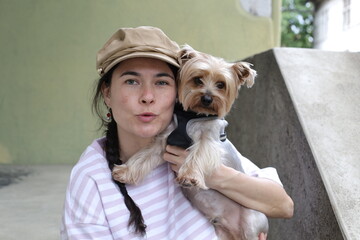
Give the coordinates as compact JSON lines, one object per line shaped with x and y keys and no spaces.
{"x":206,"y":100}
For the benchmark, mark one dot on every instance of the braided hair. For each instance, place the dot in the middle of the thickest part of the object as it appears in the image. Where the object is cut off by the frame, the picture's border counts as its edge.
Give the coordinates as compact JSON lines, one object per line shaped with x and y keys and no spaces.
{"x":112,"y":152}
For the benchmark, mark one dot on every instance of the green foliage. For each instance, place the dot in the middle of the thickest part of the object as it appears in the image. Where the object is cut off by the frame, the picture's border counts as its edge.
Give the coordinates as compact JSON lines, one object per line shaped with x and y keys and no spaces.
{"x":297,"y":23}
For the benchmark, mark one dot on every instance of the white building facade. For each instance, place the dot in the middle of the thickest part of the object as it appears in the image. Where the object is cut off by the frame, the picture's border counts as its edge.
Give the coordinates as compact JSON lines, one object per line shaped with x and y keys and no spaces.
{"x":337,"y":25}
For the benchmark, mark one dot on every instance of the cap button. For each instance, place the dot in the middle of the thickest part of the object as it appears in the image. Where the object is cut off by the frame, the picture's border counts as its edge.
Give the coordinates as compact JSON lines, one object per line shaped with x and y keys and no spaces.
{"x":100,"y":71}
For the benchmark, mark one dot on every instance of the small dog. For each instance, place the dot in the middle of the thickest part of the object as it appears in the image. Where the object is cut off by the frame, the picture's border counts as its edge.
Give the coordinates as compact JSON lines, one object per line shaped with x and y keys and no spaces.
{"x":207,"y":89}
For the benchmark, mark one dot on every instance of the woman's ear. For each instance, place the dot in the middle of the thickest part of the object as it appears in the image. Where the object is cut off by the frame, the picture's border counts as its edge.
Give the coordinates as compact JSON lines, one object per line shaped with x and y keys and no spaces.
{"x":105,"y":90}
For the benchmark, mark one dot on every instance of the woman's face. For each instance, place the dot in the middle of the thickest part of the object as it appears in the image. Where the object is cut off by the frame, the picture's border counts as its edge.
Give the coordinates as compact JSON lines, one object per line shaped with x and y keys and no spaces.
{"x":142,"y":97}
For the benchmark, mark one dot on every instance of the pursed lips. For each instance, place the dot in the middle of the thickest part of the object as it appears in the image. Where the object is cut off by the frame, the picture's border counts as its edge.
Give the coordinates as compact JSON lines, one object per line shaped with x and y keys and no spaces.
{"x":146,"y":117}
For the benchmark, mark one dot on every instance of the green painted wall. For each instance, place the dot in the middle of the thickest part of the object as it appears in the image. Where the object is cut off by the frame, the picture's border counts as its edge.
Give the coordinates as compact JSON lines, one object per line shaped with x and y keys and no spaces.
{"x":48,"y":48}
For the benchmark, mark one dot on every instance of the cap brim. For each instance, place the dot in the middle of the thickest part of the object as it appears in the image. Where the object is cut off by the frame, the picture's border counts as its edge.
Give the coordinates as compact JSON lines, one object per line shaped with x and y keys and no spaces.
{"x":155,"y":55}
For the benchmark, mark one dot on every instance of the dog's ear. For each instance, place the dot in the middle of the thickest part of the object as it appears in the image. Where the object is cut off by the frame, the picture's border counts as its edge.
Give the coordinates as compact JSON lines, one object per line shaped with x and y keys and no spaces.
{"x":244,"y":73}
{"x":186,"y":53}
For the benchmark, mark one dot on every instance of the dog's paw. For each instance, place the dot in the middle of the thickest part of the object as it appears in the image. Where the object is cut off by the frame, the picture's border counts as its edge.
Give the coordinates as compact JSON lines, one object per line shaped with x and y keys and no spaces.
{"x":187,"y":182}
{"x":120,"y":174}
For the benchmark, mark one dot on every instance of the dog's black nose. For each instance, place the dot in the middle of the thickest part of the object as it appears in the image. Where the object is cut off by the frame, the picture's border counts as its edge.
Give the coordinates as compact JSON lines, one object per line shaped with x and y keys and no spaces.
{"x":206,"y":100}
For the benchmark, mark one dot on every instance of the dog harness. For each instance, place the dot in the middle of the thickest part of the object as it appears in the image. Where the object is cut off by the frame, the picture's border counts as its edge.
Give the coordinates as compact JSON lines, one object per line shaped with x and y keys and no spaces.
{"x":179,"y":137}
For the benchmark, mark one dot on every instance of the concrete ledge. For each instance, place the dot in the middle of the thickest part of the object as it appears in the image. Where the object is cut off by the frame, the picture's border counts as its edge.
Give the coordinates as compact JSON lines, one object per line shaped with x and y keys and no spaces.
{"x":302,"y":117}
{"x":31,"y":206}
{"x":325,"y":90}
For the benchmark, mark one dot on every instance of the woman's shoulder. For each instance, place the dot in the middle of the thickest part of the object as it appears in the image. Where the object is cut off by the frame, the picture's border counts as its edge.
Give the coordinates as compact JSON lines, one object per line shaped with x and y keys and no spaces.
{"x":92,"y":162}
{"x":96,"y":148}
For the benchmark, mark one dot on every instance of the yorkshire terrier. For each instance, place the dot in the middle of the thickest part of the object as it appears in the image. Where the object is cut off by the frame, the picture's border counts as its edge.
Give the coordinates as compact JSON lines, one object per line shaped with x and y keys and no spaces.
{"x":207,"y":89}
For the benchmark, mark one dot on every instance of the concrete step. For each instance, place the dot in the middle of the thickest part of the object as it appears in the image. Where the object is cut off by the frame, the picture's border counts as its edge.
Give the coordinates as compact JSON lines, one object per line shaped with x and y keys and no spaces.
{"x":302,"y":116}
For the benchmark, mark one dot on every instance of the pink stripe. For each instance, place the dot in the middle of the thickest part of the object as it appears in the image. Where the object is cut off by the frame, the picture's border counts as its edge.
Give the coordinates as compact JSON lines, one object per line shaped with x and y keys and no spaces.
{"x":101,"y":171}
{"x":100,"y":235}
{"x":89,"y":200}
{"x":162,"y":235}
{"x":155,"y":212}
{"x":81,"y":173}
{"x":150,"y":204}
{"x":67,"y":208}
{"x":184,"y":212}
{"x":151,"y":191}
{"x":110,"y":192}
{"x":202,"y":228}
{"x":103,"y":181}
{"x":120,"y":226}
{"x":117,"y":215}
{"x":116,"y":202}
{"x":188,"y":224}
{"x":78,"y":172}
{"x":78,"y":196}
{"x":99,"y":212}
{"x":160,"y":176}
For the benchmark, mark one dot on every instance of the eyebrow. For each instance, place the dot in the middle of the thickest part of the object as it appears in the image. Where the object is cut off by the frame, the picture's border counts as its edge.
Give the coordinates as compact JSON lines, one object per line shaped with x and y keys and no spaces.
{"x":164,"y":75}
{"x":132,"y":73}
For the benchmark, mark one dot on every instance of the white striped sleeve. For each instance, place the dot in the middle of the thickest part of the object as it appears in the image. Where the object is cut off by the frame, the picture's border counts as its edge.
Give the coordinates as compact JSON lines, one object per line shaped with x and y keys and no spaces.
{"x":84,"y":216}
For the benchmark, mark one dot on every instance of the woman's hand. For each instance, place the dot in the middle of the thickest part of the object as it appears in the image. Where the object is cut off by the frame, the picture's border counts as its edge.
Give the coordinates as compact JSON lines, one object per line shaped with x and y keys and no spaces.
{"x":175,"y":156}
{"x":262,"y":236}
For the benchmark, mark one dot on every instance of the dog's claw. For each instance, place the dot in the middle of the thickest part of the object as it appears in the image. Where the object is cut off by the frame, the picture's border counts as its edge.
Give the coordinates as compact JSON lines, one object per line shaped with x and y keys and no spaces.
{"x":187,"y":183}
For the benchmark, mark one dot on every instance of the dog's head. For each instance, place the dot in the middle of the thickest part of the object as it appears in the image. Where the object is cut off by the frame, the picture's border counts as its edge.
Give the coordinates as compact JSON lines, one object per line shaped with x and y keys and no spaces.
{"x":210,"y":85}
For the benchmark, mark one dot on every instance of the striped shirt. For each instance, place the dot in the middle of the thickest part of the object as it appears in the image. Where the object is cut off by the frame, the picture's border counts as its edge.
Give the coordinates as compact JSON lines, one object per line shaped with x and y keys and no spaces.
{"x":94,"y":207}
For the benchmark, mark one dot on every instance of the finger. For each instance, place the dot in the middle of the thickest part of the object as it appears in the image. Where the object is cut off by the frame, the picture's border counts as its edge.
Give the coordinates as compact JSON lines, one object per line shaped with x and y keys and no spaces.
{"x":262,"y":236}
{"x":174,"y":167}
{"x":171,"y":158}
{"x":178,"y":151}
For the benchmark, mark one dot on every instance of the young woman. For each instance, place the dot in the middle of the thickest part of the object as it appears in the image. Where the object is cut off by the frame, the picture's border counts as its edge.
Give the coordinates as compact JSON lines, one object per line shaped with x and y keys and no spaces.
{"x":138,"y":86}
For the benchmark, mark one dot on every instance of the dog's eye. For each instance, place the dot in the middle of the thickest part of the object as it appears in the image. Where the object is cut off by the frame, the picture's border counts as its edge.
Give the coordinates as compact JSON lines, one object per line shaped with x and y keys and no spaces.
{"x":220,"y":85}
{"x":198,"y":81}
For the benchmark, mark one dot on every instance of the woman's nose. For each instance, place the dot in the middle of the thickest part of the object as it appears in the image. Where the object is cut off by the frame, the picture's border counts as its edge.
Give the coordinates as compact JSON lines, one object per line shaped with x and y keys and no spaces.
{"x":147,"y":95}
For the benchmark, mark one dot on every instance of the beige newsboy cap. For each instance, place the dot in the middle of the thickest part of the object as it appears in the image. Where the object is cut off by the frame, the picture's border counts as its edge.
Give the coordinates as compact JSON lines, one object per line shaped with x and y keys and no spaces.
{"x":144,"y":41}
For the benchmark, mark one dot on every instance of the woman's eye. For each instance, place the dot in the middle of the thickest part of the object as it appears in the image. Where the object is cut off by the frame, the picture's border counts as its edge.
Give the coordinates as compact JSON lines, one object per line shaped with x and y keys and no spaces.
{"x":220,"y":85}
{"x":162,"y":83}
{"x":130,"y":82}
{"x":198,"y":81}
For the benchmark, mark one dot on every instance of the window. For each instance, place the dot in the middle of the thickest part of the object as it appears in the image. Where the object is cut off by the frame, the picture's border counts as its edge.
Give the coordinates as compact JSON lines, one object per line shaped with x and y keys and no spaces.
{"x":346,"y":14}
